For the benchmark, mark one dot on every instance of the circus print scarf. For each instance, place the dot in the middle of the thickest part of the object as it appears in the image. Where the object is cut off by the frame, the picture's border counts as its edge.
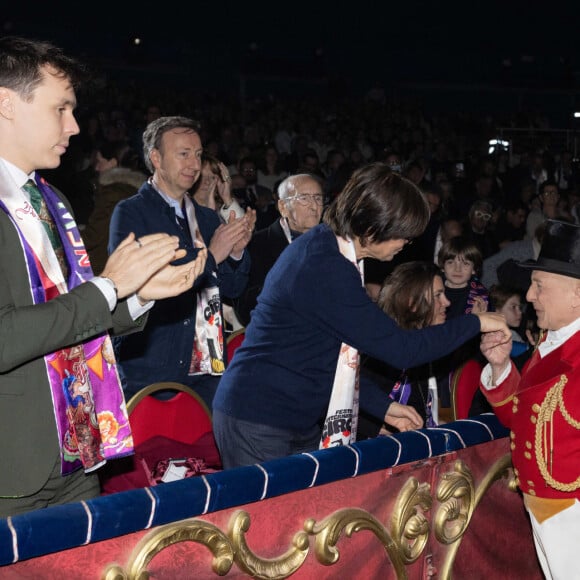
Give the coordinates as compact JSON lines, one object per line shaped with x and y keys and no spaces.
{"x":207,"y":357}
{"x":88,"y":401}
{"x":340,"y":425}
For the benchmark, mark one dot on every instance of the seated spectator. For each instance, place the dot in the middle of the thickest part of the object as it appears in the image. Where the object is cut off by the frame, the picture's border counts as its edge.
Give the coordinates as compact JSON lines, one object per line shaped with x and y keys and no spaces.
{"x":414,"y":296}
{"x":460,"y":260}
{"x":255,"y":196}
{"x":518,"y":251}
{"x":213,"y":188}
{"x":478,"y":227}
{"x":511,"y":225}
{"x":548,"y":208}
{"x":300,"y":205}
{"x":116,"y":164}
{"x":423,"y":246}
{"x":270,"y":169}
{"x":448,"y":228}
{"x":509,"y":302}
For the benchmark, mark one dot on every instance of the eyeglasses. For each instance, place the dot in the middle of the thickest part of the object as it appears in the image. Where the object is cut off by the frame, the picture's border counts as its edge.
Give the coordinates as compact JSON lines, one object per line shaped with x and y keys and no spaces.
{"x":480,"y":215}
{"x":306,"y":198}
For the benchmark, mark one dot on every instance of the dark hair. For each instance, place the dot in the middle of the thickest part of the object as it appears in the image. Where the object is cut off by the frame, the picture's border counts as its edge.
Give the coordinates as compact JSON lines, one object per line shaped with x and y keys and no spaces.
{"x":213,"y":163}
{"x":499,"y":294}
{"x":407,"y":294}
{"x":120,"y":150}
{"x":461,"y":246}
{"x":377,"y":205}
{"x":156,"y":129}
{"x":22,"y":60}
{"x":549,"y":183}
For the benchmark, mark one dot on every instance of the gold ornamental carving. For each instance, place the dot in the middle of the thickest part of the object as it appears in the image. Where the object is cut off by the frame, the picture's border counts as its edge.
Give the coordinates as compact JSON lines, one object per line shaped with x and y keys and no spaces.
{"x":459,"y":499}
{"x":403,"y":538}
{"x":193,"y":530}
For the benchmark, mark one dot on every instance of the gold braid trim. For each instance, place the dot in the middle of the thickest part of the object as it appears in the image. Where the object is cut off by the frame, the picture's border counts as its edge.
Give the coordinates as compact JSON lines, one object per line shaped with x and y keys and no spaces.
{"x":551,"y":402}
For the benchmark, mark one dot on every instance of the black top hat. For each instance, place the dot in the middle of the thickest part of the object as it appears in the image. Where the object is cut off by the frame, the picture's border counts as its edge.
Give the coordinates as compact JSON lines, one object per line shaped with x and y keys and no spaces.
{"x":560,"y":252}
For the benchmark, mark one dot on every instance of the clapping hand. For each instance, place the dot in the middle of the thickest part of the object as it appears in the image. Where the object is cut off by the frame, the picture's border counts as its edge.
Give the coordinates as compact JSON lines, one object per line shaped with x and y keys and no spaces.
{"x":233,"y":237}
{"x":173,"y":280}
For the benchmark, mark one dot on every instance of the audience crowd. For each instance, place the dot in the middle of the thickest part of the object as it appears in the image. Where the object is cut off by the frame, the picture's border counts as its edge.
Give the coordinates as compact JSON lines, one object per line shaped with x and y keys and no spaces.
{"x":233,"y":178}
{"x":495,"y":198}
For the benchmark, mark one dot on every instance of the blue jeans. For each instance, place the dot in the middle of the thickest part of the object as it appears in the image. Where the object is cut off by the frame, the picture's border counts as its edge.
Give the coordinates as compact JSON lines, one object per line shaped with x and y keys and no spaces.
{"x":245,"y":443}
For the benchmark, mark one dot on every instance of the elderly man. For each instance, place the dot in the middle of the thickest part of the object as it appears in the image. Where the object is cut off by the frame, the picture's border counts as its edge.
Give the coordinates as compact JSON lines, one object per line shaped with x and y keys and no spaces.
{"x":542,"y":406}
{"x":300,"y":205}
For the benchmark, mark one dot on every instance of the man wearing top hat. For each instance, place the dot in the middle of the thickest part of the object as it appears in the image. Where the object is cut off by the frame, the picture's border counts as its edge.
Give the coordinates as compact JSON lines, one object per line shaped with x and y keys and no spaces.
{"x":542,"y":406}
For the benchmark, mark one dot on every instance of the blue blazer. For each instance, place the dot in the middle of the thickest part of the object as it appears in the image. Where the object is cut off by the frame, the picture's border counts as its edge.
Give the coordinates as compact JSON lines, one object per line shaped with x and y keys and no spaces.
{"x":164,"y":349}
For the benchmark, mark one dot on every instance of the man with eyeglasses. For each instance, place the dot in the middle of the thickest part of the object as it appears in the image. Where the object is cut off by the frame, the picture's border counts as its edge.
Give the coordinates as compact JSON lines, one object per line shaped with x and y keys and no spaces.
{"x":300,"y":205}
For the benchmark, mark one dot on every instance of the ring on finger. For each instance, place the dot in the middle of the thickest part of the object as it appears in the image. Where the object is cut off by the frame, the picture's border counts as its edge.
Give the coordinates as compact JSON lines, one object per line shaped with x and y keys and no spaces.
{"x":139,"y":242}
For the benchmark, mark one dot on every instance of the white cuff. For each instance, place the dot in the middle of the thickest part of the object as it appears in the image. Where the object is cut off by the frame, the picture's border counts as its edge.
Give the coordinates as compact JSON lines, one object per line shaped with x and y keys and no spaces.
{"x":135,"y":308}
{"x":486,"y":377}
{"x":108,"y":289}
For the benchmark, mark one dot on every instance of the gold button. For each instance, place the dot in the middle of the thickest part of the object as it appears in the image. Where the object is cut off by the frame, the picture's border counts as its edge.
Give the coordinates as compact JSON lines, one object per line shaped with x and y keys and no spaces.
{"x":512,"y":445}
{"x":536,"y":408}
{"x":516,"y":472}
{"x":531,"y":492}
{"x":533,"y":419}
{"x":512,"y":435}
{"x":515,"y":409}
{"x":527,"y":455}
{"x":530,"y":483}
{"x":528,"y":445}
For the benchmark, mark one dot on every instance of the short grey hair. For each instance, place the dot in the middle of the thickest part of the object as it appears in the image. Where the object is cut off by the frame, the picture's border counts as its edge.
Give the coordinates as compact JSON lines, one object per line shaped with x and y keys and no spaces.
{"x":287,"y":187}
{"x":156,"y":129}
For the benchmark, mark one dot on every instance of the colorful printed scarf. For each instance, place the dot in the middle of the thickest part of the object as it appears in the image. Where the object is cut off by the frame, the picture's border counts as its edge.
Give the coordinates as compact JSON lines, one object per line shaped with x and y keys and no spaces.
{"x":341,"y":420}
{"x":89,"y":405}
{"x":207,"y":356}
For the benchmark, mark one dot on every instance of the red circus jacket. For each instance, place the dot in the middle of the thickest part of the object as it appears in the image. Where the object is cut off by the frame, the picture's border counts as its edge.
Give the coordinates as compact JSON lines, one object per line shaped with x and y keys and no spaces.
{"x":545,"y":446}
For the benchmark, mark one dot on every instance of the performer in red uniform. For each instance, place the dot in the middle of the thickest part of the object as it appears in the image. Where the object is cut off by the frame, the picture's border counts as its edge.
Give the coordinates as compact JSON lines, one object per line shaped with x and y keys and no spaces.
{"x":542,"y":406}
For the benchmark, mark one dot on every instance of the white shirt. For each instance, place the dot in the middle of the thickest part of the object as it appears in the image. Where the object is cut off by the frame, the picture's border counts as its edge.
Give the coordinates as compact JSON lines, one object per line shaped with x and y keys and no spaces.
{"x":135,"y":308}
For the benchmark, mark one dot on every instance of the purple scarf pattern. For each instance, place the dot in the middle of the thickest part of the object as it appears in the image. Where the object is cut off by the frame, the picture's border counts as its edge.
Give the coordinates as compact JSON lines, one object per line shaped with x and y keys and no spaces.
{"x":88,"y":400}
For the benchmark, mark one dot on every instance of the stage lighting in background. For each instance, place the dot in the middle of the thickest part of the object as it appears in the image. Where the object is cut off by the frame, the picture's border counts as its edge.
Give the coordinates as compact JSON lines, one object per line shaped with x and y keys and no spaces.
{"x":497,"y":145}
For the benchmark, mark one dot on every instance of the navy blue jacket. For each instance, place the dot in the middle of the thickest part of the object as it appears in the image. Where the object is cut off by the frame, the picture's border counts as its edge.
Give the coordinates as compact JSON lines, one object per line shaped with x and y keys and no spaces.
{"x":163,"y":350}
{"x":312,"y":301}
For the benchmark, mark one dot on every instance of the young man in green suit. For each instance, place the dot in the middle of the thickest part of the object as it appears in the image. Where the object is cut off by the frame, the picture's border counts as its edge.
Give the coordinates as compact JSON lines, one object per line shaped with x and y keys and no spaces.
{"x":62,"y":413}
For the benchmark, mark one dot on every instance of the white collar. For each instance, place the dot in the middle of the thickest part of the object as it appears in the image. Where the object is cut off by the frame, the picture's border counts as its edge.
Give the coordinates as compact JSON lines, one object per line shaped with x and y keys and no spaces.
{"x":19,"y":176}
{"x":556,"y":338}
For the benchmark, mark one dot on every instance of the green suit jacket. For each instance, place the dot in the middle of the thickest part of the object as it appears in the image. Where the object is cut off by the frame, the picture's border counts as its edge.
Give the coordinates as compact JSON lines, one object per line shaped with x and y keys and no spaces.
{"x":28,"y":332}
